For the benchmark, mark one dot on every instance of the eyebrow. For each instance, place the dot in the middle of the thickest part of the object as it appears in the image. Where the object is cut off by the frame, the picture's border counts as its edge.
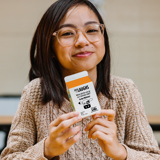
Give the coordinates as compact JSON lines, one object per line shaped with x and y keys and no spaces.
{"x":73,"y":26}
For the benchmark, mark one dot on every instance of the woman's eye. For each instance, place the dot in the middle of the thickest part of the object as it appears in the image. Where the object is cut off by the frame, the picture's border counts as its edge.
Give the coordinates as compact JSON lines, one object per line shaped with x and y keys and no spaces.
{"x":92,"y":31}
{"x":67,"y":34}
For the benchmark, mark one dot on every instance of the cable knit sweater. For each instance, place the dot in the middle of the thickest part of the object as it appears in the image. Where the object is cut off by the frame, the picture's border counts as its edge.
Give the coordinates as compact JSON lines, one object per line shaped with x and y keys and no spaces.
{"x":30,"y":126}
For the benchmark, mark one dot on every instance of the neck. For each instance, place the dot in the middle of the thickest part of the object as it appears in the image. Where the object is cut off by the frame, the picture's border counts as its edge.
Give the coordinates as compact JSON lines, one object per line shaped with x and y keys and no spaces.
{"x":93,"y":76}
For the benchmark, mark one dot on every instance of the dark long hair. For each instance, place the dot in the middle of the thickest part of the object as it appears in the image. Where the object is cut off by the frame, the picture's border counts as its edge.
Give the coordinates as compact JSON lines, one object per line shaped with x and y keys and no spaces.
{"x":46,"y":68}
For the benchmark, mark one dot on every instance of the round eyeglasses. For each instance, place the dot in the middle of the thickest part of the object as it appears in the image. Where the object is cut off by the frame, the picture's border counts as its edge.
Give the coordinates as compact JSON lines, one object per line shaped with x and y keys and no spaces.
{"x":67,"y":36}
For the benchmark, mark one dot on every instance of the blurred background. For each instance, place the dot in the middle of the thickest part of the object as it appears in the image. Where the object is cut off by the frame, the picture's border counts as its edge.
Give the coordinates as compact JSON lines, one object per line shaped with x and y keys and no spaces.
{"x":134,"y":32}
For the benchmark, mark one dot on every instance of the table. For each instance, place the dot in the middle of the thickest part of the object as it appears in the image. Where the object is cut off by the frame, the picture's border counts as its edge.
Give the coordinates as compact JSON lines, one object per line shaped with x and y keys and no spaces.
{"x":5,"y":120}
{"x":154,"y":122}
{"x":151,"y":118}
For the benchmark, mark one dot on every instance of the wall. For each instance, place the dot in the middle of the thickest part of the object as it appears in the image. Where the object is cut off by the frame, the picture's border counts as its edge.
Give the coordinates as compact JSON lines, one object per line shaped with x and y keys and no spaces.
{"x":133,"y":28}
{"x":18,"y":21}
{"x":135,"y":45}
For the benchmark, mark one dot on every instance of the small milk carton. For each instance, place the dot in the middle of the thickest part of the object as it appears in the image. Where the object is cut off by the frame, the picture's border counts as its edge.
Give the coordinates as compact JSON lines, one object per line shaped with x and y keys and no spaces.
{"x":82,"y":94}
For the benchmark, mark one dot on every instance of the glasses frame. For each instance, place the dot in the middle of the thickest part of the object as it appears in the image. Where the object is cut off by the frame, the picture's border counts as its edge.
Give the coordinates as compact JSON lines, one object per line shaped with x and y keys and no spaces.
{"x":56,"y":35}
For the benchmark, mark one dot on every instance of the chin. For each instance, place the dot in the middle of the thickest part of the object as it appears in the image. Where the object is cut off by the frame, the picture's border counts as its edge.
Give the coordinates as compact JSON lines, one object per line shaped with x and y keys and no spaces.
{"x":86,"y":68}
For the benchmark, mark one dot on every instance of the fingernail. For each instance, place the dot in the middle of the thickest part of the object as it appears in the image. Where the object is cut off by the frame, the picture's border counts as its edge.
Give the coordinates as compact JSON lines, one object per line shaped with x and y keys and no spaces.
{"x":76,"y":113}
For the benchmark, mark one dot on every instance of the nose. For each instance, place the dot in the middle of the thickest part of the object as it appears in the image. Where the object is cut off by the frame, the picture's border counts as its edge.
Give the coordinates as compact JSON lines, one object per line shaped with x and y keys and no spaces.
{"x":81,"y":40}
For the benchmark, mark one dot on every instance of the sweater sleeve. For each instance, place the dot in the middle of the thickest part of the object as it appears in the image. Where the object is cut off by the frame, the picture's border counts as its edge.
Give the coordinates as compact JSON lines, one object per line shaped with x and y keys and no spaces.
{"x":22,"y":137}
{"x":140,"y":142}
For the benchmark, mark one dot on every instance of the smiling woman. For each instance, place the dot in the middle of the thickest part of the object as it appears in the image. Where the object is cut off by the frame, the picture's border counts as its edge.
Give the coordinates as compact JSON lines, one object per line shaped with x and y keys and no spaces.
{"x":58,"y":58}
{"x":71,"y":37}
{"x":85,"y":42}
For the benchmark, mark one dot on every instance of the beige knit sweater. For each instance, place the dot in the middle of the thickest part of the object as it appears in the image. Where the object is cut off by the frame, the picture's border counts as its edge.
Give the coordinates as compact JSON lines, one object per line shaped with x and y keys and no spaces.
{"x":30,"y":126}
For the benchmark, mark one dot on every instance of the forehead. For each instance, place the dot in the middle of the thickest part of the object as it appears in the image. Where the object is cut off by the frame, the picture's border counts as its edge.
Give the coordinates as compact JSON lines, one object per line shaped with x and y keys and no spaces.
{"x":79,"y":15}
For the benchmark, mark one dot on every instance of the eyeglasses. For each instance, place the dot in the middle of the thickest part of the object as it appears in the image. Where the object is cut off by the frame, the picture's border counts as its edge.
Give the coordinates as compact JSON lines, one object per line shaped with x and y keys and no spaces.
{"x":67,"y":36}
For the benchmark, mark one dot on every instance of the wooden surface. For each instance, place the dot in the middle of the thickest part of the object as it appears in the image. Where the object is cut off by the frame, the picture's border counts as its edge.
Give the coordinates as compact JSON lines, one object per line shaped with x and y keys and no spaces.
{"x":8,"y":119}
{"x":154,"y":119}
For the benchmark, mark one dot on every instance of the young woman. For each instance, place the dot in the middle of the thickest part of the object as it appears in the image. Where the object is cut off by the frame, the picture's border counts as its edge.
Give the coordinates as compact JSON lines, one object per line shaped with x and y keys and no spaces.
{"x":71,"y":37}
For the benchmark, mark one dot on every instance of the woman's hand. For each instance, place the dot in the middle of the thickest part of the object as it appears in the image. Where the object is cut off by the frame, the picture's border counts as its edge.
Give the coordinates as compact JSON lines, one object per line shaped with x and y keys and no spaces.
{"x":60,"y":140}
{"x":105,"y":130}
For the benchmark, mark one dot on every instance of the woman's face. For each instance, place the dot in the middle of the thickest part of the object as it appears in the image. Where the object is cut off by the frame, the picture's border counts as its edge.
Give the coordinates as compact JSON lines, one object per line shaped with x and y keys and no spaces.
{"x":82,"y":55}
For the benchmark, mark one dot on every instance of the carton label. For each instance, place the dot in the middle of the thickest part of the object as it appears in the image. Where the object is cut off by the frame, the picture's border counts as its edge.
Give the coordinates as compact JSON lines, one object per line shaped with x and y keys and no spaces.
{"x":83,"y":97}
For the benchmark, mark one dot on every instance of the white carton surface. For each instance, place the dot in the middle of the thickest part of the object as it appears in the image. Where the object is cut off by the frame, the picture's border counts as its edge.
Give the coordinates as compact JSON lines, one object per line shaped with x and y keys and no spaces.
{"x":83,"y":97}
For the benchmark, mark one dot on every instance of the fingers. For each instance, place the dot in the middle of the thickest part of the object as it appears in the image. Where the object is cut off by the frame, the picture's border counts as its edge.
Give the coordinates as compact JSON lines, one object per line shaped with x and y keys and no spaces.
{"x":107,"y":131}
{"x":99,"y":121}
{"x":105,"y":112}
{"x":67,"y":123}
{"x":70,"y":132}
{"x":61,"y":136}
{"x":63,"y":126}
{"x":64,"y":117}
{"x":102,"y":136}
{"x":73,"y":139}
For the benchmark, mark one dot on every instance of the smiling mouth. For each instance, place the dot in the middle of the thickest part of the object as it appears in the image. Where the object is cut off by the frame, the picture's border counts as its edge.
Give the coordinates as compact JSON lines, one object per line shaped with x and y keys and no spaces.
{"x":83,"y":54}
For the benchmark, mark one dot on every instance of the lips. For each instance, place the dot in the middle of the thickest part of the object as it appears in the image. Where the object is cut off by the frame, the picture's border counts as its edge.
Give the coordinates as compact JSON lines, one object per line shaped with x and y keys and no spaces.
{"x":83,"y":54}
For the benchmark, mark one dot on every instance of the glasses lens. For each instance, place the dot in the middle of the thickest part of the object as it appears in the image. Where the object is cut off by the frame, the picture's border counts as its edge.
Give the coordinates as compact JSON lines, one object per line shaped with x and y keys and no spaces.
{"x":66,"y":36}
{"x":93,"y":32}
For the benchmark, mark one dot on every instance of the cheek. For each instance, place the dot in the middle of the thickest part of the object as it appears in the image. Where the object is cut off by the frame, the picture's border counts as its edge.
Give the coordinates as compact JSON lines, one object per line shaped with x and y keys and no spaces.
{"x":58,"y":50}
{"x":101,"y":48}
{"x":62,"y":53}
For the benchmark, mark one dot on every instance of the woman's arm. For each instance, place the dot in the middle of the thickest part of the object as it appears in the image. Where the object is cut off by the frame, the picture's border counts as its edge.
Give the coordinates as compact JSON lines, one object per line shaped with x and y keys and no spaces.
{"x":22,"y":142}
{"x":22,"y":137}
{"x":140,"y":142}
{"x":105,"y":129}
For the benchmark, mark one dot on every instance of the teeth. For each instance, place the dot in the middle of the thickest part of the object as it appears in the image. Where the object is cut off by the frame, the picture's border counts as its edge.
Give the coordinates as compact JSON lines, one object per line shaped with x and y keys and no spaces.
{"x":80,"y":53}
